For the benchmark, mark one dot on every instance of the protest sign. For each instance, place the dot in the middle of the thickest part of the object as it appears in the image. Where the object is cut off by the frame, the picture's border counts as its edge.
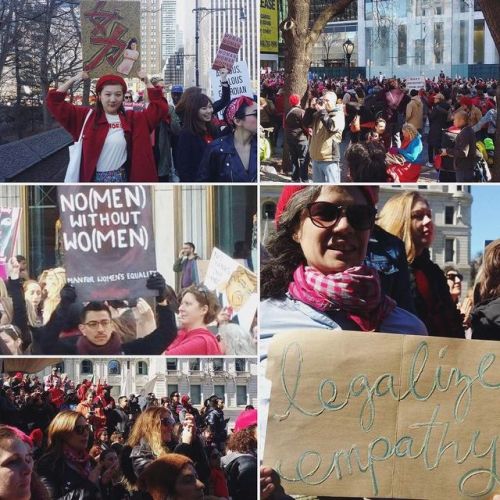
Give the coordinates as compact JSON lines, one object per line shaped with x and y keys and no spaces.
{"x":238,"y":78}
{"x":415,"y":82}
{"x":228,"y":52}
{"x":269,"y":26}
{"x":111,"y":34}
{"x":384,"y":415}
{"x":108,"y":240}
{"x":236,"y":286}
{"x":9,"y":229}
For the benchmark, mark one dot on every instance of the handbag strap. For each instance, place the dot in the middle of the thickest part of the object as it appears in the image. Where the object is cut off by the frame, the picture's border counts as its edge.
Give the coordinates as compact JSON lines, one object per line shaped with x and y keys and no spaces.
{"x":84,"y":123}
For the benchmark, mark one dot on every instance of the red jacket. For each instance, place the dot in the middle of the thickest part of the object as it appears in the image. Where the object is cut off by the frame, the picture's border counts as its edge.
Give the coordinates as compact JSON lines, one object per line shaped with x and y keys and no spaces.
{"x":199,"y":341}
{"x":137,"y":125}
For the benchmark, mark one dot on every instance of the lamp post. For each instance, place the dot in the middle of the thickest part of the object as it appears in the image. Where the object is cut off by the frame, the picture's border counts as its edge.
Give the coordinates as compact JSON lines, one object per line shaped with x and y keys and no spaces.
{"x":348,"y":47}
{"x":198,"y":11}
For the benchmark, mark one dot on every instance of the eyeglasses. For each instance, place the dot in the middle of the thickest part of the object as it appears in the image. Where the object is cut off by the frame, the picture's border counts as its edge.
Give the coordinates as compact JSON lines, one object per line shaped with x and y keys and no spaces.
{"x":167,"y":421}
{"x":82,"y":429}
{"x":128,"y":97}
{"x":105,"y":323}
{"x":252,"y":114}
{"x":324,"y":214}
{"x":420,"y":215}
{"x":454,"y":276}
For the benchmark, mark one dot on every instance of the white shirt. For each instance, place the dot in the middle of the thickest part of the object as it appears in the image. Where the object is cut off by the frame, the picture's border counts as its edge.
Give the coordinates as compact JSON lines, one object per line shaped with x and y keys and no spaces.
{"x":114,"y":151}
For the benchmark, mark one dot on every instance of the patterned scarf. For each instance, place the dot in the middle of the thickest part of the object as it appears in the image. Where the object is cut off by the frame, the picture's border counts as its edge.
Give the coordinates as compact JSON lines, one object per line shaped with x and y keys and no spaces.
{"x":234,"y":106}
{"x":78,"y":461}
{"x":356,"y":291}
{"x":114,"y":346}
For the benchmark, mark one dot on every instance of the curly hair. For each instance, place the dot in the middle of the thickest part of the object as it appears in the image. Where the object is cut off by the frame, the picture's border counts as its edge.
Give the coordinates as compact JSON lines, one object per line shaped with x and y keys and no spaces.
{"x":489,"y":284}
{"x":366,"y":162}
{"x":243,"y":441}
{"x":285,"y":253}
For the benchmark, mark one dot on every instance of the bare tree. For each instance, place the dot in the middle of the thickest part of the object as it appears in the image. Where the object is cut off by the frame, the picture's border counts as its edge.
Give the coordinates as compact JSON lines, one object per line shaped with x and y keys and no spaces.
{"x":328,"y":40}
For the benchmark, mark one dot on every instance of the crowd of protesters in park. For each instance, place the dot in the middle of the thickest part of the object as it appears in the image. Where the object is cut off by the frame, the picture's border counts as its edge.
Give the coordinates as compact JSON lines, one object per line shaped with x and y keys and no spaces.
{"x":44,"y":316}
{"x":384,"y":126}
{"x":59,"y":439}
{"x":125,"y":137}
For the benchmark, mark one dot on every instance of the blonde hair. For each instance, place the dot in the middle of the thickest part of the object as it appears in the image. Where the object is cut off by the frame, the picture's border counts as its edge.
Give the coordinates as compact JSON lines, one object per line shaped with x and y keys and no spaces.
{"x":31,"y":312}
{"x":466,"y":115}
{"x":63,"y":423}
{"x":147,"y":427}
{"x":395,"y":218}
{"x":8,"y":306}
{"x":52,"y":300}
{"x":489,"y":279}
{"x":410,"y":129}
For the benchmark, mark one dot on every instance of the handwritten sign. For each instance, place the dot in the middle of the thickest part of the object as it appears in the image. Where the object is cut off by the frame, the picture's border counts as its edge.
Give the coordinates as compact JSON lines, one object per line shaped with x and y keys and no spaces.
{"x":415,"y":82}
{"x":107,"y":235}
{"x":380,"y":415}
{"x":228,"y":52}
{"x":111,"y":34}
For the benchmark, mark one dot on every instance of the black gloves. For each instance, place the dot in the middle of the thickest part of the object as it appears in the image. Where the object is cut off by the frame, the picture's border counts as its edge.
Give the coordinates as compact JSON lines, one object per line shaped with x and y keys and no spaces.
{"x":68,"y":294}
{"x":157,"y":282}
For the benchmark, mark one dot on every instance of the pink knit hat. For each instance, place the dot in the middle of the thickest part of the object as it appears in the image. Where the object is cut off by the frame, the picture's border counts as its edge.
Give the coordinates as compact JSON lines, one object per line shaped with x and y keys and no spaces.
{"x":245,"y":419}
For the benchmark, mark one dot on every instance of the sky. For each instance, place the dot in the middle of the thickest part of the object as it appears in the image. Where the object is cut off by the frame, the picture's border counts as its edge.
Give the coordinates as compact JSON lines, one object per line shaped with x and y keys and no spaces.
{"x":485,"y":215}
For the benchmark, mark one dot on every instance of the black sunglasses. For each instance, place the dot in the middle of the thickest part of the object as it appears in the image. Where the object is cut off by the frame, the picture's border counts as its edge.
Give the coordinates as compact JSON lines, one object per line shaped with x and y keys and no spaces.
{"x":252,"y":114}
{"x":81,"y":429}
{"x":324,"y":214}
{"x":454,"y":276}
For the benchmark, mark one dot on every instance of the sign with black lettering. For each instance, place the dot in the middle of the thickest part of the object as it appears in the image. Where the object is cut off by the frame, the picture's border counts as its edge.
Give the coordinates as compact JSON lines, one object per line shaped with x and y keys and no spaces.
{"x":108,"y":240}
{"x":239,"y":82}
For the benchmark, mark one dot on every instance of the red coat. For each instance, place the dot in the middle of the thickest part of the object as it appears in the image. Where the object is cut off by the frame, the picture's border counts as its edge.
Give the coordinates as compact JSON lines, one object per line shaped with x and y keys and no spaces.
{"x":137,"y":125}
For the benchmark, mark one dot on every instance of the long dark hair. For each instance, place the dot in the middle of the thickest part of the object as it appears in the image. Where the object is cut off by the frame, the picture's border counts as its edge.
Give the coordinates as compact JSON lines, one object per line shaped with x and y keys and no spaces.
{"x":131,"y":41}
{"x":192,"y":121}
{"x":285,"y":253}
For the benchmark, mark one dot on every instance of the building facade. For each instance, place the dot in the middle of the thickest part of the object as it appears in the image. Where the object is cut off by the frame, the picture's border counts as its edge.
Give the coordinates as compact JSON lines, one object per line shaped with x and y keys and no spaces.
{"x":232,"y":379}
{"x":151,"y":36}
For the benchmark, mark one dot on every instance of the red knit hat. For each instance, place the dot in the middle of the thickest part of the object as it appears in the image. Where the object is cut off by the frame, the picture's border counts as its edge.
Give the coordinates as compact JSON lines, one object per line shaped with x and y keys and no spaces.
{"x":294,"y":99}
{"x":36,"y":437}
{"x":370,"y":193}
{"x":245,"y":419}
{"x":110,"y":80}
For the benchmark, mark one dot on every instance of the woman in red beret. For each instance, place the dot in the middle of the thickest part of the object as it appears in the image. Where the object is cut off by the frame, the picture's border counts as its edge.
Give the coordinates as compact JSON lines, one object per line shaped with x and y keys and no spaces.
{"x":116,"y":143}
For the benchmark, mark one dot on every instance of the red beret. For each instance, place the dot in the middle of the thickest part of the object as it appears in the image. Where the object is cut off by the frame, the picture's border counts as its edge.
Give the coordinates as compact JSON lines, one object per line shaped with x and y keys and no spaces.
{"x":294,"y":99}
{"x":110,"y":80}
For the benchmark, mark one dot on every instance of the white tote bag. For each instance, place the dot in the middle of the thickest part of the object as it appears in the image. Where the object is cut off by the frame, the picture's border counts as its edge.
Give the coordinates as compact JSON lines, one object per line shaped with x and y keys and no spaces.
{"x":75,"y":157}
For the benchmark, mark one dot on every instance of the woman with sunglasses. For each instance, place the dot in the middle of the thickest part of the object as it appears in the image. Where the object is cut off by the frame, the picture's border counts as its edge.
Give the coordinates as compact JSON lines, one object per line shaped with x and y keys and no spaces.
{"x":409,"y":217}
{"x":66,"y":468}
{"x":315,"y":277}
{"x":151,"y":438}
{"x":233,"y":157}
{"x":198,"y":308}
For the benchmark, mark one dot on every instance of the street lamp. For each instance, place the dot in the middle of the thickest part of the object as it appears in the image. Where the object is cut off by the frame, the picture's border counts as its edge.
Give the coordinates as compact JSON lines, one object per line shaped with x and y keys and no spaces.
{"x":198,"y":18}
{"x":348,"y":47}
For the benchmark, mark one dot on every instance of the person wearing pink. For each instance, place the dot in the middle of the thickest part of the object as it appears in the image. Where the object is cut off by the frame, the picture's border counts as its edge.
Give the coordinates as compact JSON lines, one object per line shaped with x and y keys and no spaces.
{"x":198,"y":308}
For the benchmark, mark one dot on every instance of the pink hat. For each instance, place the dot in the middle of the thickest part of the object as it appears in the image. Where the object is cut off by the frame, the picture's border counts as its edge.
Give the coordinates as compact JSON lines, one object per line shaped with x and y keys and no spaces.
{"x":245,"y":419}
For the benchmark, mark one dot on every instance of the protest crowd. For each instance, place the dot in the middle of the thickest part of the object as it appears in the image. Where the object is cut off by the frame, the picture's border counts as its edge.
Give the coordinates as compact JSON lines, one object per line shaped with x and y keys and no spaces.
{"x":76,"y":442}
{"x":385,"y":127}
{"x":45,"y":317}
{"x":127,"y":137}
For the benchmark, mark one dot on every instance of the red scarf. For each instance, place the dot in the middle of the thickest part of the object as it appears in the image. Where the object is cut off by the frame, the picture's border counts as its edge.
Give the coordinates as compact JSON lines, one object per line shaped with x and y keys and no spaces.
{"x":78,"y":461}
{"x":114,"y":346}
{"x":356,"y":291}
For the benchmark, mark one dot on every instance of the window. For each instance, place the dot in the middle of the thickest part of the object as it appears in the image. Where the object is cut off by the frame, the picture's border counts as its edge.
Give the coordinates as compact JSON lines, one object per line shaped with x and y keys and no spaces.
{"x":269,"y":210}
{"x":218,"y":364}
{"x":194,"y":365}
{"x":449,"y":213}
{"x":438,"y":42}
{"x":219,"y":391}
{"x":86,"y":367}
{"x":479,"y":41}
{"x":449,"y":250}
{"x":172,"y":364}
{"x":462,"y":58}
{"x":141,"y":368}
{"x":420,"y":52}
{"x":172,"y":388}
{"x":195,"y":393}
{"x":114,"y":367}
{"x":241,"y":395}
{"x":402,"y":44}
{"x":240,"y":364}
{"x":60,"y":366}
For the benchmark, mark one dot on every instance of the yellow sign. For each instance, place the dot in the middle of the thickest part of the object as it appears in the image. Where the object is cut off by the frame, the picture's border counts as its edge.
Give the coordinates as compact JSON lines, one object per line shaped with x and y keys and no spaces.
{"x":269,"y":26}
{"x":384,"y":415}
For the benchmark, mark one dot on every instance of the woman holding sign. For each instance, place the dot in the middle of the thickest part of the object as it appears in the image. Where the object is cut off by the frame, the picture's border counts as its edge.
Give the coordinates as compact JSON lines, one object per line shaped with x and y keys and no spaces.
{"x":315,"y":277}
{"x":116,"y":144}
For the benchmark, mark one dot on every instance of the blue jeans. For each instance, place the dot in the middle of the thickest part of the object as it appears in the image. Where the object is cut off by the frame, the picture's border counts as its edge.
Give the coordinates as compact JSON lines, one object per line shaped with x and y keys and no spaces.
{"x":326,"y":171}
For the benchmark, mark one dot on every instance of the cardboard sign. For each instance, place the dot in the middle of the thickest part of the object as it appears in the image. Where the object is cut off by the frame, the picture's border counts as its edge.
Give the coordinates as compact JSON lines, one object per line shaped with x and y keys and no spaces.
{"x":228,"y":52}
{"x":384,"y":415}
{"x":238,"y":78}
{"x":236,"y":286}
{"x":269,"y":26}
{"x":111,"y":35}
{"x":107,"y":235}
{"x":415,"y":82}
{"x":9,"y":229}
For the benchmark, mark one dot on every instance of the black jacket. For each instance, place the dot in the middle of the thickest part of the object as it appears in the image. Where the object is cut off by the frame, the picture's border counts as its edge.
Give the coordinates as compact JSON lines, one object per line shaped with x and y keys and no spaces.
{"x":438,"y":312}
{"x":438,"y":119}
{"x":64,"y":482}
{"x":215,"y":419}
{"x":485,"y":320}
{"x":241,"y":474}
